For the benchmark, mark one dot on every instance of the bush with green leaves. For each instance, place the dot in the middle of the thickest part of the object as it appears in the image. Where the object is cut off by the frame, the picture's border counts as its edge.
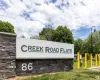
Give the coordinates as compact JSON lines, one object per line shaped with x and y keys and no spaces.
{"x":6,"y":27}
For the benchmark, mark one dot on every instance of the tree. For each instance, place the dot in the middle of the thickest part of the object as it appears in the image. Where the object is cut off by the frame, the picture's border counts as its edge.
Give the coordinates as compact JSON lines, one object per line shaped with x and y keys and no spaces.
{"x":95,"y":42}
{"x":78,"y":45}
{"x":46,"y":34}
{"x":34,"y":37}
{"x":63,"y":34}
{"x":84,"y":46}
{"x":22,"y":36}
{"x":6,"y":27}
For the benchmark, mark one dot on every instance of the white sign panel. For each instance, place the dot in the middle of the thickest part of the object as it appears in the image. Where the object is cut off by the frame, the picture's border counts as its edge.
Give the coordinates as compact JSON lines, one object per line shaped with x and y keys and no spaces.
{"x":41,"y":49}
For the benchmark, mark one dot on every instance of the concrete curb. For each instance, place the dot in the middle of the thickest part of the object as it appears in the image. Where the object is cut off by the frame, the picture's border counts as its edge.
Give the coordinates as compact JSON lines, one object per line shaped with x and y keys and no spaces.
{"x":95,"y":68}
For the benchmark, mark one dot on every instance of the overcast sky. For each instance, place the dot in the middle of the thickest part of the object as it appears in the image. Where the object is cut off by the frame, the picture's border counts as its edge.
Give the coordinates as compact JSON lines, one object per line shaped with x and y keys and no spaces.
{"x":30,"y":16}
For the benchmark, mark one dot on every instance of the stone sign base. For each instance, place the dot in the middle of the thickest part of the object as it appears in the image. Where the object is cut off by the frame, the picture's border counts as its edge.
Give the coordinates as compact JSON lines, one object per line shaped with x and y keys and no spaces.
{"x":10,"y":67}
{"x":38,"y":66}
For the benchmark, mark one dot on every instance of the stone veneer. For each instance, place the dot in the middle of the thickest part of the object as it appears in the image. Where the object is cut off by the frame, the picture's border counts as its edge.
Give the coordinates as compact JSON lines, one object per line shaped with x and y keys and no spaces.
{"x":10,"y":67}
{"x":7,"y":55}
{"x":45,"y":66}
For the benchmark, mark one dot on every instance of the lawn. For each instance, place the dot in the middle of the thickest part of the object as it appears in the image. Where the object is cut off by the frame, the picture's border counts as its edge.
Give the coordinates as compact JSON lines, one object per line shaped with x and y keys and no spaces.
{"x":83,"y":64}
{"x":76,"y":74}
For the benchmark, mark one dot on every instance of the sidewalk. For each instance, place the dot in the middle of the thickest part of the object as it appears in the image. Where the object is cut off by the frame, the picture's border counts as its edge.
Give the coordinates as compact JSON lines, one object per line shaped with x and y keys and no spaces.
{"x":95,"y":68}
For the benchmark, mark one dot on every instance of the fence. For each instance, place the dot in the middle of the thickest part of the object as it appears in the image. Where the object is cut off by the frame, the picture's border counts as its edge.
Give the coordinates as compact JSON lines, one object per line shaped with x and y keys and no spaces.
{"x":86,"y":62}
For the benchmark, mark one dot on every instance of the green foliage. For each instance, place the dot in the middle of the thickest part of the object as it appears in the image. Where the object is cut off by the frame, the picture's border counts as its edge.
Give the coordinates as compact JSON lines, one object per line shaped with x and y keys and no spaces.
{"x":46,"y":34}
{"x":85,"y":45}
{"x":6,"y":27}
{"x":78,"y":45}
{"x":61,"y":34}
{"x":95,"y":42}
{"x":85,"y":48}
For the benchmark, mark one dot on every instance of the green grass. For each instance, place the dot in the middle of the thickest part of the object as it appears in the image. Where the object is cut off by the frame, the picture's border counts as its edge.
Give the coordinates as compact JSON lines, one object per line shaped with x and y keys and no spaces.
{"x":83,"y":64}
{"x":77,"y":74}
{"x":75,"y":65}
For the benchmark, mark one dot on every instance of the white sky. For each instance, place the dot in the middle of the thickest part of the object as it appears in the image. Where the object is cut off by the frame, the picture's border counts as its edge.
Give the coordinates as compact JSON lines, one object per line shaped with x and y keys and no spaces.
{"x":39,"y":13}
